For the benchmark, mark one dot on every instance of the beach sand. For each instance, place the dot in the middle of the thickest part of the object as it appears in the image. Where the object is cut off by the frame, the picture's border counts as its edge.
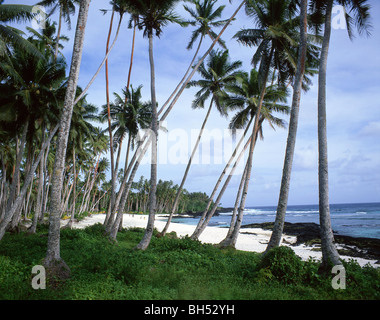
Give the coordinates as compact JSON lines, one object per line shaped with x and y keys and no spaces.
{"x":250,"y":239}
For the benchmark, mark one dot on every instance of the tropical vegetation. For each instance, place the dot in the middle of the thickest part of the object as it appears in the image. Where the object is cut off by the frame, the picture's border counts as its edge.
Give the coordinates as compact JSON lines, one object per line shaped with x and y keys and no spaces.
{"x":60,"y":155}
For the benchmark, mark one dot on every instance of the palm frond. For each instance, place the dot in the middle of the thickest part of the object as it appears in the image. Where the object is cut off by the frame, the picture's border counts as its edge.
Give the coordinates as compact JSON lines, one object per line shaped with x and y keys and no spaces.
{"x":16,"y":13}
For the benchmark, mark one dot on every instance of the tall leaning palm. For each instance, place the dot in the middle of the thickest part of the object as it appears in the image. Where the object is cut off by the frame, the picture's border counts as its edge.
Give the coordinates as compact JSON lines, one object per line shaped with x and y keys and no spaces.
{"x":128,"y":117}
{"x":276,"y":236}
{"x":245,"y":95}
{"x":154,"y":15}
{"x":120,"y":7}
{"x":219,"y":73}
{"x":357,"y":13}
{"x":274,"y":36}
{"x":205,"y":18}
{"x":142,"y":149}
{"x":53,"y":260}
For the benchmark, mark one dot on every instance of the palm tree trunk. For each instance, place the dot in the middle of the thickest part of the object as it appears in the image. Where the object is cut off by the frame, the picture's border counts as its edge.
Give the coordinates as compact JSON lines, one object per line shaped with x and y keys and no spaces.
{"x":19,"y":155}
{"x":66,"y":195}
{"x":53,"y":259}
{"x":329,"y":252}
{"x":119,"y":147}
{"x":201,"y":220}
{"x":100,"y":198}
{"x":200,"y":62}
{"x":144,"y":243}
{"x":46,"y":184}
{"x":183,"y":78}
{"x":8,"y":216}
{"x":276,"y":236}
{"x":247,"y":178}
{"x":86,"y":187}
{"x":71,"y":221}
{"x":28,"y":198}
{"x":113,"y":175}
{"x":110,"y":219}
{"x":39,"y":198}
{"x":227,"y":239}
{"x":58,"y":34}
{"x":121,"y":199}
{"x":17,"y":203}
{"x":3,"y":188}
{"x":231,"y":238}
{"x":74,"y":189}
{"x":197,"y":232}
{"x":101,"y":64}
{"x":127,"y":155}
{"x":179,"y":191}
{"x":163,"y":117}
{"x":86,"y":204}
{"x":132,"y":54}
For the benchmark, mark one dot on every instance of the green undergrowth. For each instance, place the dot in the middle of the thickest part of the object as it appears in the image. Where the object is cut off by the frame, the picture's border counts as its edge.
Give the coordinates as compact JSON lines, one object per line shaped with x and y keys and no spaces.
{"x":170,"y":268}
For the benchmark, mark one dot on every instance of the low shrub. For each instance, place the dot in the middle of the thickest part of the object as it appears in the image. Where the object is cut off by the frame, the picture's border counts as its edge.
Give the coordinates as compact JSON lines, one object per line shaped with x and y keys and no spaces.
{"x":170,"y":268}
{"x":283,"y":264}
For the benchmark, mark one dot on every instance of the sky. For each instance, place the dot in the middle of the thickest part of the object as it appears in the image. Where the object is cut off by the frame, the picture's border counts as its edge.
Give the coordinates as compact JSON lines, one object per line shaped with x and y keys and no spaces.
{"x":353,"y":110}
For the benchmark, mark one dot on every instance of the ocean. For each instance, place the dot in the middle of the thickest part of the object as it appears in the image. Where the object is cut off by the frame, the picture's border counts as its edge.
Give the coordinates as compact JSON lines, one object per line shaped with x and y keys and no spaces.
{"x":355,"y":219}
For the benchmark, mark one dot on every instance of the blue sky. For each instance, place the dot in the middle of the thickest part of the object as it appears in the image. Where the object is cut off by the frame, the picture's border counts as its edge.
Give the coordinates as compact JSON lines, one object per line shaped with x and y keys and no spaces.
{"x":353,"y":109}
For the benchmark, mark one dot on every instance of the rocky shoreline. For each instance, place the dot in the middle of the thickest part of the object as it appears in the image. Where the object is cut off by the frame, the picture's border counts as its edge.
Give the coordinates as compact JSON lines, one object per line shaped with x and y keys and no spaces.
{"x":308,"y":233}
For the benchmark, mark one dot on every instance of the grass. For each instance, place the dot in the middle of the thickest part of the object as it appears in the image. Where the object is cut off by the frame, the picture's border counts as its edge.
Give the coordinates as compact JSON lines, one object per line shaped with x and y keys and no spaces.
{"x":170,"y":268}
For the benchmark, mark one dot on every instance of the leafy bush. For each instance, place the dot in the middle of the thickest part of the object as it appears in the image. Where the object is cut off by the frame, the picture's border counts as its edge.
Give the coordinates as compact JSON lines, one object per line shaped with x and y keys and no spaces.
{"x":283,"y":264}
{"x":170,"y":269}
{"x":362,"y":281}
{"x":13,"y":278}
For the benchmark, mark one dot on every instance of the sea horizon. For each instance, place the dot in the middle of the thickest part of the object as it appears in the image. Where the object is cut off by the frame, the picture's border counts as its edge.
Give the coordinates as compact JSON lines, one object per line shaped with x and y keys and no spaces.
{"x":315,"y":204}
{"x":350,"y":219}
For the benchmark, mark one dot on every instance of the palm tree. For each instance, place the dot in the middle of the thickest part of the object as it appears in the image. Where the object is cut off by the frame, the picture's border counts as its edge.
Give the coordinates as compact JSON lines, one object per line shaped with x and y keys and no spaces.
{"x":246,"y":96}
{"x":129,"y":115}
{"x":274,"y":37}
{"x":123,"y":6}
{"x":66,"y":9}
{"x":200,"y":61}
{"x":141,"y":150}
{"x":47,"y":35}
{"x":121,"y":10}
{"x":357,"y":12}
{"x":290,"y":146}
{"x":97,"y":145}
{"x":81,"y":130}
{"x":53,"y":260}
{"x":11,"y":38}
{"x":204,"y":15}
{"x":117,"y":6}
{"x":144,"y":144}
{"x":31,"y":94}
{"x":154,"y":15}
{"x":218,"y":74}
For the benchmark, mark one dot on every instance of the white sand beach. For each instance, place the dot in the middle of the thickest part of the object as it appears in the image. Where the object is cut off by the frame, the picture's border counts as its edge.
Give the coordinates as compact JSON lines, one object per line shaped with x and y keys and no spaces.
{"x":250,"y":239}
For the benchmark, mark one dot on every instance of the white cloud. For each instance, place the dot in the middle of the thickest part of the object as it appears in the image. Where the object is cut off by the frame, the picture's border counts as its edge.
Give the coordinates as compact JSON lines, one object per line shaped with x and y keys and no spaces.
{"x":371,"y":129}
{"x":306,"y":159}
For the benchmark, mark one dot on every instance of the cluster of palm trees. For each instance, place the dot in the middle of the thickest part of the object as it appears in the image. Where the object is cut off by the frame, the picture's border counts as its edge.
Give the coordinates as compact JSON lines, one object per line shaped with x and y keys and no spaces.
{"x":51,"y":152}
{"x":165,"y":193}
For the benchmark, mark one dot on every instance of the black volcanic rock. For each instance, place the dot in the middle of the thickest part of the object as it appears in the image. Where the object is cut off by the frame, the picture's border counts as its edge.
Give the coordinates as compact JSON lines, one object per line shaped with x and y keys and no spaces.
{"x":309,"y":233}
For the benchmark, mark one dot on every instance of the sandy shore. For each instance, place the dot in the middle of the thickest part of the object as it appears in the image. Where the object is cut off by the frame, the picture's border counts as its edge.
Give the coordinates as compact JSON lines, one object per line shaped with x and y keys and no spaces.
{"x":250,"y":239}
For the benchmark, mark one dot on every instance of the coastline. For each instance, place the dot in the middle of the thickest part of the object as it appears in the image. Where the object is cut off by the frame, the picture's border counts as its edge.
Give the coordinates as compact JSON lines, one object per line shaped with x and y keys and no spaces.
{"x":252,"y":237}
